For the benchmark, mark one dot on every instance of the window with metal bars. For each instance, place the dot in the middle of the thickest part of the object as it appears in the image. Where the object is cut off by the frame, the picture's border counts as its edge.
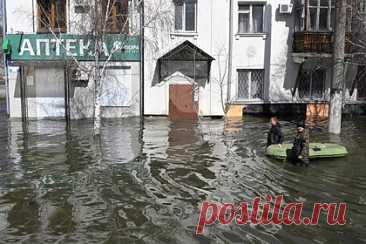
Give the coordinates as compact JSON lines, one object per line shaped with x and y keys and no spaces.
{"x":250,"y":84}
{"x":311,"y":84}
{"x":361,"y":83}
{"x":51,"y":16}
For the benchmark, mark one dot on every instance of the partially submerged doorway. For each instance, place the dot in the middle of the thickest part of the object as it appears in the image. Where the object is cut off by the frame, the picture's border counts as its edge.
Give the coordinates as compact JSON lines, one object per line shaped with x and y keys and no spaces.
{"x":182,"y":104}
{"x":186,"y":68}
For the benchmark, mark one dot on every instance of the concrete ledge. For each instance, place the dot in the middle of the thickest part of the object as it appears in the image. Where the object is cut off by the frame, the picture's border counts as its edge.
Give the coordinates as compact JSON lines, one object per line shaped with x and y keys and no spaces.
{"x":319,"y":110}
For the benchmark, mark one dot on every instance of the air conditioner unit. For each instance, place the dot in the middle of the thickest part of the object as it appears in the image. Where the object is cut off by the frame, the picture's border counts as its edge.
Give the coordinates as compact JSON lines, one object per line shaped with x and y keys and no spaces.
{"x":285,"y":8}
{"x":78,"y":75}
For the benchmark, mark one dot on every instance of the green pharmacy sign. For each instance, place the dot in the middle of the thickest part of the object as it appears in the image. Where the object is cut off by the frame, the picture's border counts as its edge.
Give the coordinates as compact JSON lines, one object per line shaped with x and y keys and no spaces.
{"x":48,"y":47}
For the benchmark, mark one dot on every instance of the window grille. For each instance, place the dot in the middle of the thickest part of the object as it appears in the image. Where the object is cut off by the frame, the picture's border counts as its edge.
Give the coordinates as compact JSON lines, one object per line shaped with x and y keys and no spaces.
{"x":250,"y":84}
{"x":312,"y":84}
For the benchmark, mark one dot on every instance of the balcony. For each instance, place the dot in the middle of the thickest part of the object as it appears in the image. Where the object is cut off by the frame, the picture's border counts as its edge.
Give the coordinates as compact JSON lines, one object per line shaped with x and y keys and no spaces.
{"x":316,"y":42}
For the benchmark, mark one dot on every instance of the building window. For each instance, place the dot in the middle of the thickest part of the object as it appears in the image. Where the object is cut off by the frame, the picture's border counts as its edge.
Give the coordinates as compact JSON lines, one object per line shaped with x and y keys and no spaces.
{"x":250,"y":18}
{"x":51,"y":16}
{"x":185,"y":15}
{"x":319,"y":15}
{"x":118,"y":17}
{"x":250,"y":84}
{"x":361,"y":83}
{"x":312,"y":84}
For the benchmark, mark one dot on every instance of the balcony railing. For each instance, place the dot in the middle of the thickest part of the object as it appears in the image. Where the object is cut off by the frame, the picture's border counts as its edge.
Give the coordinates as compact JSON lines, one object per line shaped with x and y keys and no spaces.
{"x":316,"y":42}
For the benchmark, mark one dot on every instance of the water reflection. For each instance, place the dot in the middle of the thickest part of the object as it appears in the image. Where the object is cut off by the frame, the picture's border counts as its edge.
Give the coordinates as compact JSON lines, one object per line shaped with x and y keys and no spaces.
{"x":133,"y":186}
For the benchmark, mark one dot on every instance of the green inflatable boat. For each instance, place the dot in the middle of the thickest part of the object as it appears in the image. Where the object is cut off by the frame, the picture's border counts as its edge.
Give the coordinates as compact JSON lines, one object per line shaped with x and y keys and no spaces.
{"x":316,"y":150}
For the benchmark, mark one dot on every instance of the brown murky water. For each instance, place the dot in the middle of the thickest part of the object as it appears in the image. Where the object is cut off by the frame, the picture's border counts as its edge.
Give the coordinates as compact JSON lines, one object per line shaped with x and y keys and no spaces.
{"x":133,"y":186}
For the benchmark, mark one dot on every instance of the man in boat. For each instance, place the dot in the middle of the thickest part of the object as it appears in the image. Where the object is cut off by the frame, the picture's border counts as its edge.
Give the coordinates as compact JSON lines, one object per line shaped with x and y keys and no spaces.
{"x":300,"y":149}
{"x":275,"y":135}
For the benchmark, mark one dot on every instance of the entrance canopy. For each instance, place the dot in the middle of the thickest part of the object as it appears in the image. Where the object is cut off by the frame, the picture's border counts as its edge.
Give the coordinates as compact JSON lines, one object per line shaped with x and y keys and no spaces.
{"x":187,"y":59}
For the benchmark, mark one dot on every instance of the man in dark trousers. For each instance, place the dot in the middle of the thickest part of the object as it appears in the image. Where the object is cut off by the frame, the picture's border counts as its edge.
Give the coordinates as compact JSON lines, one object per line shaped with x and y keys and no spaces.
{"x":275,"y":135}
{"x":300,"y":149}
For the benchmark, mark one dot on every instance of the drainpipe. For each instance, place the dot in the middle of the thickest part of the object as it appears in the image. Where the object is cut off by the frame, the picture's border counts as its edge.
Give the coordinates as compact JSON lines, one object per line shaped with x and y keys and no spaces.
{"x":230,"y":61}
{"x":142,"y":60}
{"x":4,"y":60}
{"x":33,"y":16}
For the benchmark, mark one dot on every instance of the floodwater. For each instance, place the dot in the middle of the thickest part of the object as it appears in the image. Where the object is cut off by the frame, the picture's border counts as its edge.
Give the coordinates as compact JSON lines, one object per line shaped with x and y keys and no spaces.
{"x":133,"y":186}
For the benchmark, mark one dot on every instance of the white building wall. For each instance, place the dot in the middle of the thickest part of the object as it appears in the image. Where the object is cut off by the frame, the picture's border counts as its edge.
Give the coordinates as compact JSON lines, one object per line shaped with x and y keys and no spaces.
{"x":283,"y":70}
{"x":211,"y":37}
{"x":19,"y":15}
{"x":270,"y":50}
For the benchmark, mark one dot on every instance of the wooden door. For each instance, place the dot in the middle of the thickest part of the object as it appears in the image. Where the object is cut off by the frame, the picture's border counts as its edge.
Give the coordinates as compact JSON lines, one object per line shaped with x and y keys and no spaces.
{"x":181,"y":103}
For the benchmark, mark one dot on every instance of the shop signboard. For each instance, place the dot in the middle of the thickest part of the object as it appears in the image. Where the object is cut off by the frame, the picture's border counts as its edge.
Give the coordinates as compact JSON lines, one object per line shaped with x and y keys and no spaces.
{"x":49,"y":47}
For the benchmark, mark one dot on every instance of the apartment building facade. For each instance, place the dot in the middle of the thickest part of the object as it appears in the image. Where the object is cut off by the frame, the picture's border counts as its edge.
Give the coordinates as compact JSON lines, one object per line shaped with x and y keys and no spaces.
{"x":269,"y":56}
{"x":200,"y":56}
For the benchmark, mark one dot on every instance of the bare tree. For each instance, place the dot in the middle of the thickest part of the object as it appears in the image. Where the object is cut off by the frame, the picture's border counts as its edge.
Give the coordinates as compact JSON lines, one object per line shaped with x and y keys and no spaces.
{"x":222,"y":72}
{"x":98,"y":21}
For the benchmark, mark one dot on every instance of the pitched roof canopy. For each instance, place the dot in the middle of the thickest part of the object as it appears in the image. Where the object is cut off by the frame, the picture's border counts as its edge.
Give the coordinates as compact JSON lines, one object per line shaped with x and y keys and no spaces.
{"x":186,"y":51}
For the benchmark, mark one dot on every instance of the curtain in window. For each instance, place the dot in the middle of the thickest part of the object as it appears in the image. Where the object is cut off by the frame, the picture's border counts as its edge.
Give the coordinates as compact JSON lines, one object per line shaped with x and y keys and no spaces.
{"x":257,"y":18}
{"x":244,"y":23}
{"x":323,"y":19}
{"x":313,"y":18}
{"x":190,"y":15}
{"x":178,"y":15}
{"x":60,"y":13}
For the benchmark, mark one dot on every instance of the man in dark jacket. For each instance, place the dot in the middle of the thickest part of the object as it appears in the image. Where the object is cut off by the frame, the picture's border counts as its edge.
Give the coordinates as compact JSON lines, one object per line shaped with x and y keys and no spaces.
{"x":300,"y":148}
{"x":275,"y":135}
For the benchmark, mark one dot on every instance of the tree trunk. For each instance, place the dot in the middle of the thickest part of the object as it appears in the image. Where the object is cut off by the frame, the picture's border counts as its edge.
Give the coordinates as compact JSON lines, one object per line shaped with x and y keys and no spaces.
{"x":335,"y":110}
{"x":97,"y":110}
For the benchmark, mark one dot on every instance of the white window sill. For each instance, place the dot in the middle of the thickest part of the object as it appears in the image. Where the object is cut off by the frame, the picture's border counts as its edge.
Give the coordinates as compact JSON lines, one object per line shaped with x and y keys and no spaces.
{"x":239,"y":35}
{"x":184,"y":34}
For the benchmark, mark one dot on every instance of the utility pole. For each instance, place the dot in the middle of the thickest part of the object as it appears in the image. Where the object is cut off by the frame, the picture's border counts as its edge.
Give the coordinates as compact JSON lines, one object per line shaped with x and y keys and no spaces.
{"x":142,"y":60}
{"x":336,"y":96}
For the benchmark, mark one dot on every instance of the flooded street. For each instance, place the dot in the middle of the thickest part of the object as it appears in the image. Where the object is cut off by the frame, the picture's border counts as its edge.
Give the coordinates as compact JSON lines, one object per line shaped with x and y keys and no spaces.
{"x":133,"y":186}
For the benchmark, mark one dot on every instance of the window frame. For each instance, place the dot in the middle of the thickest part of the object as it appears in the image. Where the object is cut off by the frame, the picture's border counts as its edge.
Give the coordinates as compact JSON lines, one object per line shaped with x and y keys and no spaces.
{"x":310,"y":82}
{"x":112,"y":25}
{"x":303,"y":17}
{"x":250,"y":95}
{"x":52,"y":18}
{"x":184,"y":28}
{"x":250,"y":11}
{"x":330,"y":8}
{"x":361,"y":79}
